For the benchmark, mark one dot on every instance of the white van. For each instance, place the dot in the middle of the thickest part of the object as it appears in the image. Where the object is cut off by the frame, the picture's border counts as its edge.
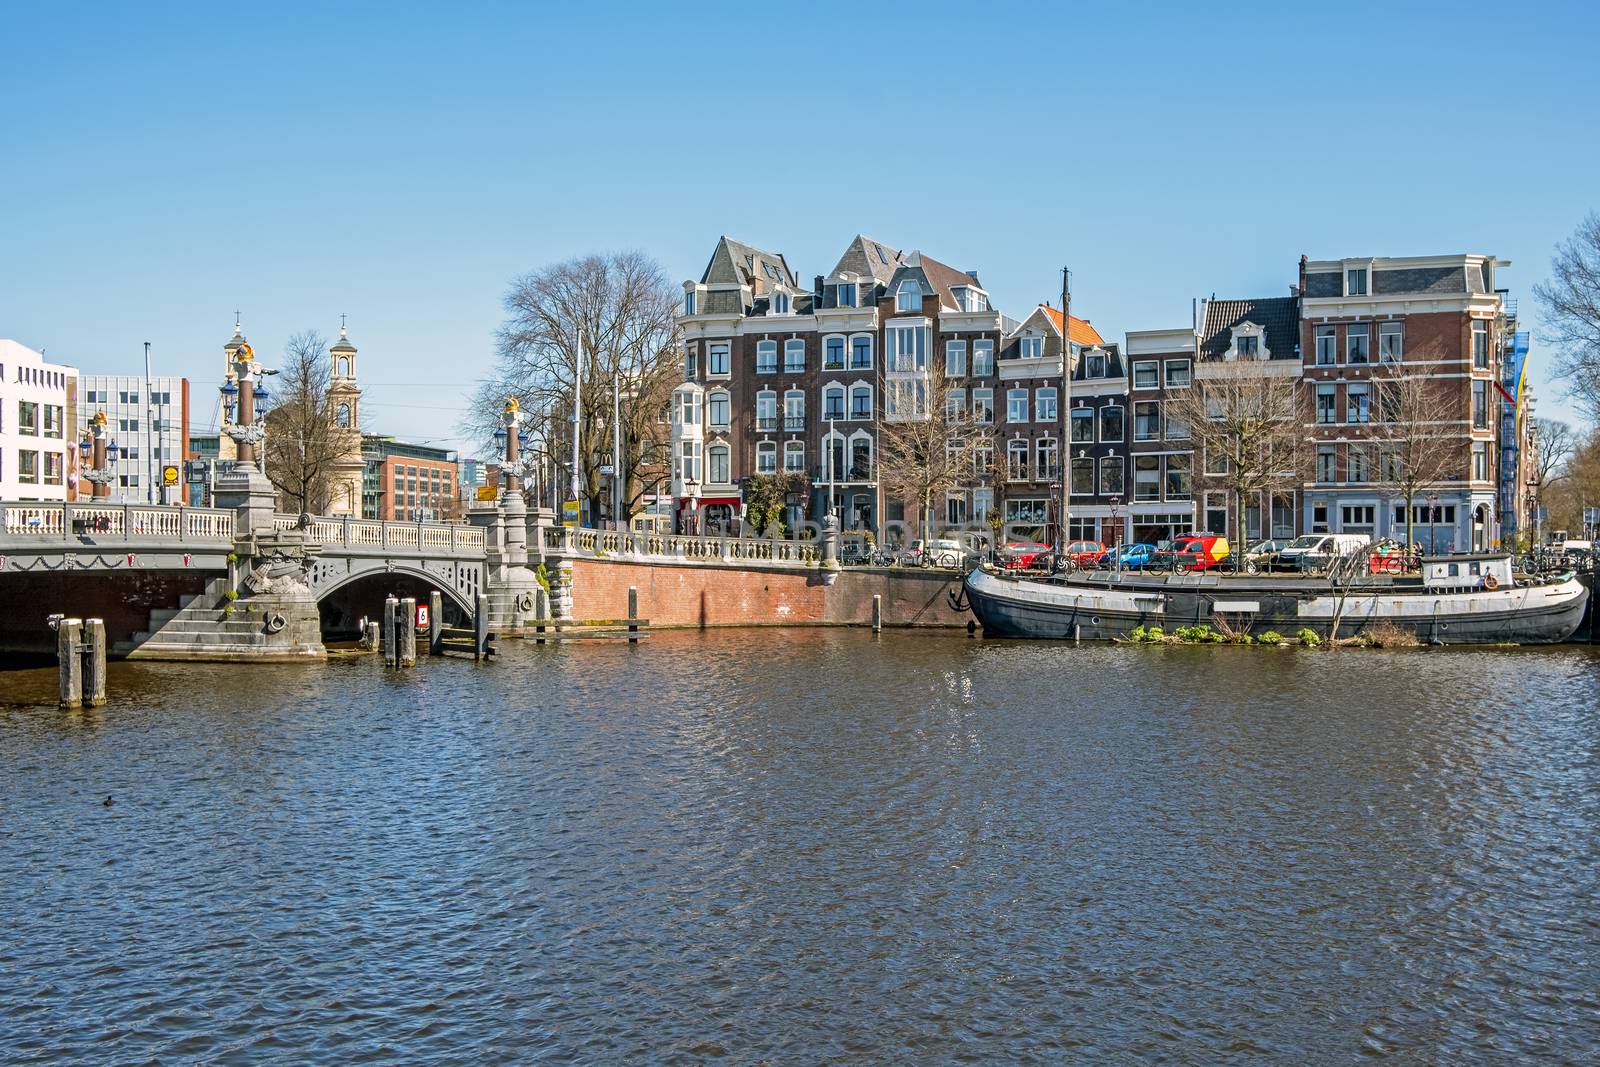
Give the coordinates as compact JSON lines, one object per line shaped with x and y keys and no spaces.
{"x":1314,"y":551}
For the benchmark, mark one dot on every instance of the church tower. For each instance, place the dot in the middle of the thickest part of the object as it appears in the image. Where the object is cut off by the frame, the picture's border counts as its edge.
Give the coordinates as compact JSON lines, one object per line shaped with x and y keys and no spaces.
{"x":344,"y":401}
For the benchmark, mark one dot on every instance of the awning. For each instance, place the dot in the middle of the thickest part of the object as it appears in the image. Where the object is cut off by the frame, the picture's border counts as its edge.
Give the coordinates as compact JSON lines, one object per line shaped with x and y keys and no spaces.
{"x":712,"y":501}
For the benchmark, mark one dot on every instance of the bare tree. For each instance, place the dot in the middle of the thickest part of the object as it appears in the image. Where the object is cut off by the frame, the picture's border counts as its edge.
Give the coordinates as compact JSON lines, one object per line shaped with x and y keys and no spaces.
{"x":613,"y":315}
{"x":933,"y":444}
{"x":1575,"y":486}
{"x":1244,"y":419}
{"x":1554,"y":442}
{"x":1411,"y":434}
{"x":1571,"y":302}
{"x":303,"y":440}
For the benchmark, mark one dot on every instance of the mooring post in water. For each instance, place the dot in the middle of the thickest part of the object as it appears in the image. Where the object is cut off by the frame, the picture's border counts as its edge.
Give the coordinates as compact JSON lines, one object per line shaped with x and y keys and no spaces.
{"x":633,"y":614}
{"x":69,"y":654}
{"x":94,"y":662}
{"x":877,"y":612}
{"x":406,"y":631}
{"x":541,"y":612}
{"x":480,"y":627}
{"x":390,"y":605}
{"x":435,"y":624}
{"x":372,"y":634}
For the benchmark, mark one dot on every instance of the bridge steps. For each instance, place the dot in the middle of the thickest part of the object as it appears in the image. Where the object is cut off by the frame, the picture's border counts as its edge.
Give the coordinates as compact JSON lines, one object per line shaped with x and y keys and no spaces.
{"x":198,"y":627}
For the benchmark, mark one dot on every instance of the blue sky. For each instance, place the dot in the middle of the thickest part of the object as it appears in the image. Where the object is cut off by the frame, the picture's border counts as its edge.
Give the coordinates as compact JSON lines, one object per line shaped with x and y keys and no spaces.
{"x":166,"y":164}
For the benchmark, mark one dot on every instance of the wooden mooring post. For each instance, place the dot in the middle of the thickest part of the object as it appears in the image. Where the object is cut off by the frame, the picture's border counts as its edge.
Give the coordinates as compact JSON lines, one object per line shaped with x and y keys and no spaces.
{"x":390,"y":606}
{"x":480,"y":627}
{"x":435,"y":624}
{"x":81,"y":660}
{"x":877,"y":612}
{"x":406,"y":632}
{"x":633,"y":615}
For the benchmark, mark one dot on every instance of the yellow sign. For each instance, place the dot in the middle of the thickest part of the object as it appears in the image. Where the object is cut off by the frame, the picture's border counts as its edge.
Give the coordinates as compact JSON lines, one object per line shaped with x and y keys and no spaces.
{"x":169,"y":475}
{"x":569,"y":513}
{"x":488,"y":492}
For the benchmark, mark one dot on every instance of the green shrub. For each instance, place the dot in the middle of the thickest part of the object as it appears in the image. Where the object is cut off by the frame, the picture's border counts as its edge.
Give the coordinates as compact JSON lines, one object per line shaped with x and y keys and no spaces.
{"x":1308,"y":637}
{"x":1155,"y":633}
{"x":232,"y":594}
{"x":227,"y":612}
{"x":1271,"y":637}
{"x":1200,"y":634}
{"x":233,"y":557}
{"x":542,"y":576}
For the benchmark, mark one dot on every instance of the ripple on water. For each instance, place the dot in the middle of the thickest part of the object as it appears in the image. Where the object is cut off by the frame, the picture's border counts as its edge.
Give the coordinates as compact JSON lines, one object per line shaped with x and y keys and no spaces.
{"x":808,"y":846}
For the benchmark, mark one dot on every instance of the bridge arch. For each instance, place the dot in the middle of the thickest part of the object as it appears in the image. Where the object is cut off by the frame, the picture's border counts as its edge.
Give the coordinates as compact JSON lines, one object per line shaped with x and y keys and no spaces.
{"x":344,"y":600}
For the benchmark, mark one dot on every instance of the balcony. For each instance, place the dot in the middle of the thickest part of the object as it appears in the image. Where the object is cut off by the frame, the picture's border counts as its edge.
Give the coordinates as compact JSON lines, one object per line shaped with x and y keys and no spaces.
{"x":766,"y":422}
{"x":856,"y":472}
{"x":794,"y":423}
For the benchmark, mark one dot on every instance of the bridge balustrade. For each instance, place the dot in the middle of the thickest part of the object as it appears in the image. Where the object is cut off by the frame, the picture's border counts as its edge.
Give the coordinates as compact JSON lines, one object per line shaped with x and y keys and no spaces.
{"x":120,"y":521}
{"x":597,"y":543}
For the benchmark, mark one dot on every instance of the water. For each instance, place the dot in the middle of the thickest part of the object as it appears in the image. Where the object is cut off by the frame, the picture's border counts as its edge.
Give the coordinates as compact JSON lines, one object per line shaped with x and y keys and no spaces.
{"x":809,"y":847}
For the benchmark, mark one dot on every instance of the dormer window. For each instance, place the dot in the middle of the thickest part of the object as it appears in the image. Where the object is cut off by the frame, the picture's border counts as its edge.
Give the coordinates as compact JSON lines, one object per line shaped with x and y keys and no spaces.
{"x":1032,"y":348}
{"x":970,"y":299}
{"x":847,"y":294}
{"x":1248,"y":342}
{"x":780,"y":303}
{"x":1355,"y":281}
{"x":1097,"y":365}
{"x":908,"y":297}
{"x":1249,"y":347}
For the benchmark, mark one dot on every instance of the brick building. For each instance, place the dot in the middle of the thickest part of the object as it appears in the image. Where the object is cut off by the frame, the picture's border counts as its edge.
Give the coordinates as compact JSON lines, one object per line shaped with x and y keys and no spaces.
{"x":1439,"y":317}
{"x":780,"y":378}
{"x":406,"y":481}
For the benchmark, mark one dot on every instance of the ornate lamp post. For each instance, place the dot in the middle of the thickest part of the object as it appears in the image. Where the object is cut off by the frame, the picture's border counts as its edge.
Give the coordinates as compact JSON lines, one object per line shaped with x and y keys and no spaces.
{"x":97,"y":472}
{"x":246,"y":487}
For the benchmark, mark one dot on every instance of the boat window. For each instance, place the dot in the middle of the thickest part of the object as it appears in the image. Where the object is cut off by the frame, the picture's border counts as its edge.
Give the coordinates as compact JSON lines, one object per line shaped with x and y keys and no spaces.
{"x":1454,"y":570}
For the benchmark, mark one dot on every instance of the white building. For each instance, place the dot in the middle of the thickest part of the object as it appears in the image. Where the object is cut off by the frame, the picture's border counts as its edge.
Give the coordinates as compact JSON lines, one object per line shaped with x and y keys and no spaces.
{"x":38,"y":457}
{"x":150,"y":428}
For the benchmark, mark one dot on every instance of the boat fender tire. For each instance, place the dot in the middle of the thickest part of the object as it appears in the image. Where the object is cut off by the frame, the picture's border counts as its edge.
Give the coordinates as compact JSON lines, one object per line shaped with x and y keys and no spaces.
{"x":1491,"y":582}
{"x":276,"y":622}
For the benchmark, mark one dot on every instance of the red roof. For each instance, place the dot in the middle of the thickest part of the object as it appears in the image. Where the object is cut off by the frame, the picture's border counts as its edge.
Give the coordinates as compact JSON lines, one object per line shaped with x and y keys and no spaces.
{"x":1082,"y":332}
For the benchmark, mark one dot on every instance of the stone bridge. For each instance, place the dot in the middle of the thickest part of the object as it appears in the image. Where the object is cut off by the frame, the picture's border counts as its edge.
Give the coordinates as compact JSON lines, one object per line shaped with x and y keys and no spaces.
{"x":201,"y":551}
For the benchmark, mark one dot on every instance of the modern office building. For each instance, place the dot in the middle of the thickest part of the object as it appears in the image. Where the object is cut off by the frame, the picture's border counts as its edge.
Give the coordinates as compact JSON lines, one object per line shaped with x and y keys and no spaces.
{"x":148,"y":421}
{"x":38,"y":451}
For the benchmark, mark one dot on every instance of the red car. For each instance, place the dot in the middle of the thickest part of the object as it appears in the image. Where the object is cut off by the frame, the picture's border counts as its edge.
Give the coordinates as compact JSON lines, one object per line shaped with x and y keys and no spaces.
{"x":1199,"y":552}
{"x":1084,"y":553}
{"x":1023,"y":555}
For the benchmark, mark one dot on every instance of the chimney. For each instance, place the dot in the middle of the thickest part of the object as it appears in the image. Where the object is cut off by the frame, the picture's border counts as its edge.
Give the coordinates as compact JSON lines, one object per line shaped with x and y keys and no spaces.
{"x":1302,"y":275}
{"x":816,"y":286}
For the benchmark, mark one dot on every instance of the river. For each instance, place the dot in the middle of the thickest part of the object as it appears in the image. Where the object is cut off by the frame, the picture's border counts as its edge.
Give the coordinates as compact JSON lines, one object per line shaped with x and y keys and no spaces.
{"x":809,"y":846}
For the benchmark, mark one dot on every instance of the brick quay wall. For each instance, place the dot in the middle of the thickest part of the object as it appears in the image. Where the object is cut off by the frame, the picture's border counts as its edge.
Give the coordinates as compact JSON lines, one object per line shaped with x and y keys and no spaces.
{"x":699,"y":594}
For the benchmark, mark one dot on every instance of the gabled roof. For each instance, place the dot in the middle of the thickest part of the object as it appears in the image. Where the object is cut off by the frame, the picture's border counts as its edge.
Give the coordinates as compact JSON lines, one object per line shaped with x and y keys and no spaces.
{"x":937,"y":278}
{"x":1279,"y":316}
{"x":736,"y":263}
{"x":1082,"y":332}
{"x":868,"y":258}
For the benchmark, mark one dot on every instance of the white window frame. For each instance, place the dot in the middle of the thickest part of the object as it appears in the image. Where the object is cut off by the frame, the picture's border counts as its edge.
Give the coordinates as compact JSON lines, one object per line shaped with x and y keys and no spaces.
{"x":792,"y":449}
{"x":791,"y":346}
{"x":1188,"y":373}
{"x":1045,"y":405}
{"x":908,"y":297}
{"x":766,"y":457}
{"x":767,"y":399}
{"x":1017,"y":400}
{"x":713,"y":451}
{"x":829,"y":390}
{"x":1030,"y":346}
{"x":725,"y":349}
{"x":859,"y":341}
{"x":727,"y":405}
{"x":1153,"y":367}
{"x":955,"y":359}
{"x":1122,"y":431}
{"x":766,"y":357}
{"x":983,"y":406}
{"x":859,"y":389}
{"x":1386,"y":331}
{"x":843,"y":344}
{"x":983,"y":346}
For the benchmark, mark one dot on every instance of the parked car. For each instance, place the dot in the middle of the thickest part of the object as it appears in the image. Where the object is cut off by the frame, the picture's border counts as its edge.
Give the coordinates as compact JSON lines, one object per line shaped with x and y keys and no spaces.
{"x":1199,"y":552}
{"x":1313,"y":552}
{"x":1263,"y":556}
{"x":1134,"y":556}
{"x":941,"y":552}
{"x":1022,"y":555}
{"x":1076,"y":555}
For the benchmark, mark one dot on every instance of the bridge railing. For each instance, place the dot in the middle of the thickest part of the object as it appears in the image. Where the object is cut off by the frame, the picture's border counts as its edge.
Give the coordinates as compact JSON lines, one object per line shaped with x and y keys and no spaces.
{"x":379,"y":534}
{"x":598,"y":543}
{"x":64,"y":521}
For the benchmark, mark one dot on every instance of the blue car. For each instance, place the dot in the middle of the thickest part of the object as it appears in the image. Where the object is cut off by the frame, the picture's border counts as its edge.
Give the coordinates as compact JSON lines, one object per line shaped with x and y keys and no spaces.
{"x":1133,"y":556}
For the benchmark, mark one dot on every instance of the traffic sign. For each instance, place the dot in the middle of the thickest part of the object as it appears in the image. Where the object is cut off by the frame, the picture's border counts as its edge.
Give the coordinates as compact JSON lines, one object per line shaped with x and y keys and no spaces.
{"x":169,"y":475}
{"x":569,"y":513}
{"x":488,"y":492}
{"x":422,"y":618}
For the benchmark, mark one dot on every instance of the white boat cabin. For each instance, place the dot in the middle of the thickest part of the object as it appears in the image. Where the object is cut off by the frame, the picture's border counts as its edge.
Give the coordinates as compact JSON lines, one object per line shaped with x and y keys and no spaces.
{"x":1477,"y":571}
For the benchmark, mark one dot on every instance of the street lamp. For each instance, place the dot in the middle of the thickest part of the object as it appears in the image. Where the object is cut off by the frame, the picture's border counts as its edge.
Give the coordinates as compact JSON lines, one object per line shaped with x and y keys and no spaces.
{"x":1433,"y":517}
{"x":1116,"y":528}
{"x":93,"y":456}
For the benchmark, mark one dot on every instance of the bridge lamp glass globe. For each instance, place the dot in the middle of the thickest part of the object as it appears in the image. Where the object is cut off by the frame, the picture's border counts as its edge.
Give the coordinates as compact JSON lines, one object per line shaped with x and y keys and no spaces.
{"x":500,"y":440}
{"x":262,"y":396}
{"x":112,"y":452}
